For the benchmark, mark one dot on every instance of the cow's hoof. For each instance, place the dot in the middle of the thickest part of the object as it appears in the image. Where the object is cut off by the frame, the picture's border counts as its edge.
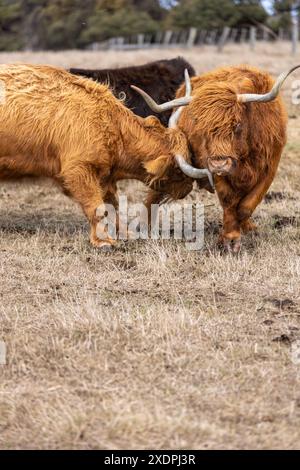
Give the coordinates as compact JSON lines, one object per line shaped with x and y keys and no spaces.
{"x":230,"y":246}
{"x":106,"y":248}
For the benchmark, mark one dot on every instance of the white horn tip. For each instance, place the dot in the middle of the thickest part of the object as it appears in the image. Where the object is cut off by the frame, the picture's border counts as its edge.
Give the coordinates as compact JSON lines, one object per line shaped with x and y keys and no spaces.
{"x":211,"y":180}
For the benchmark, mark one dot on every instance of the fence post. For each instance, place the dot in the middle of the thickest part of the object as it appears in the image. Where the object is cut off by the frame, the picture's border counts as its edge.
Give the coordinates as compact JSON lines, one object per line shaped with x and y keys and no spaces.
{"x":167,"y":38}
{"x":223,"y":38}
{"x":140,"y":40}
{"x":191,"y":37}
{"x":252,"y":38}
{"x":295,"y":37}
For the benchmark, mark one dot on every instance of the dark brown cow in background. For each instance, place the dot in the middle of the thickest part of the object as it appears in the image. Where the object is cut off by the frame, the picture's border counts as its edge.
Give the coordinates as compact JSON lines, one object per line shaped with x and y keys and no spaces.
{"x":160,"y":79}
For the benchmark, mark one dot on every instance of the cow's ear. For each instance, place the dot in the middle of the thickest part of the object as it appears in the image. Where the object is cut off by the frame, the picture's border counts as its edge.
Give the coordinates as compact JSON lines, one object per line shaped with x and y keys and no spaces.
{"x":246,"y":86}
{"x":153,"y":121}
{"x":158,"y":166}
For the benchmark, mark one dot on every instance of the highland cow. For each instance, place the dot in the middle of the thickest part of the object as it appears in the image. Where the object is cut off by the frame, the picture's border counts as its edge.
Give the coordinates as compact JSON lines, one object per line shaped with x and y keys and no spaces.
{"x":236,"y":126}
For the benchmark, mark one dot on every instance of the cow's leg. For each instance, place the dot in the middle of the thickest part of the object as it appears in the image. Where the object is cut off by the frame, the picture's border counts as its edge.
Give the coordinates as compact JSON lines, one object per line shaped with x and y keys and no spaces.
{"x":153,"y":200}
{"x":249,"y":203}
{"x":82,"y":184}
{"x":230,"y":237}
{"x":17,"y":166}
{"x":111,"y":198}
{"x":239,"y":208}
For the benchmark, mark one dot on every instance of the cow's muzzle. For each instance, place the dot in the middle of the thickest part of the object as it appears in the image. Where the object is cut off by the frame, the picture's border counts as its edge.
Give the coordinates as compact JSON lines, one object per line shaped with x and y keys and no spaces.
{"x":221,"y":165}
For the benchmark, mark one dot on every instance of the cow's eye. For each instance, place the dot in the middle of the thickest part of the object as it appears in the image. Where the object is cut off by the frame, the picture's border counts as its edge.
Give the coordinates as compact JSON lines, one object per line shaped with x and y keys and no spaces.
{"x":238,"y":128}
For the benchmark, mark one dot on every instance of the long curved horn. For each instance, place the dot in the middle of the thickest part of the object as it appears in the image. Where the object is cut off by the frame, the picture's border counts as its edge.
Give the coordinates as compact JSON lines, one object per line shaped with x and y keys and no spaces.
{"x":188,"y":85}
{"x":174,"y":118}
{"x":185,"y":167}
{"x":160,"y":108}
{"x":188,"y":94}
{"x":254,"y":98}
{"x":192,"y":172}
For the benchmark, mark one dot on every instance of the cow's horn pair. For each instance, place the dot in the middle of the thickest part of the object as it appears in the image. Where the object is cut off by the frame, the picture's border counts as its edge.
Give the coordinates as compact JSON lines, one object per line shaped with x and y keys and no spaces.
{"x":185,"y":167}
{"x":243,"y":98}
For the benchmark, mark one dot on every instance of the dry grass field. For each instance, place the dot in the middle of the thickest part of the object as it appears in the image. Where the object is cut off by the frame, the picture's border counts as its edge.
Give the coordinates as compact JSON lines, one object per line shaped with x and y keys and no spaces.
{"x":152,"y":346}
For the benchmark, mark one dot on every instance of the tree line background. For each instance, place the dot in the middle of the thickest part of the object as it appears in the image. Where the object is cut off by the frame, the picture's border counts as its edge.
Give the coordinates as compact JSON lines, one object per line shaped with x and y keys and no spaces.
{"x":63,"y":24}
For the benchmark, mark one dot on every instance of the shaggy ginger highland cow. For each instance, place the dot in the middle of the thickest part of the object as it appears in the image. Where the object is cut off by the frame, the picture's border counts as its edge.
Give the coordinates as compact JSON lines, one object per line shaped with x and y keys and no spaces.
{"x":236,"y":127}
{"x":75,"y":131}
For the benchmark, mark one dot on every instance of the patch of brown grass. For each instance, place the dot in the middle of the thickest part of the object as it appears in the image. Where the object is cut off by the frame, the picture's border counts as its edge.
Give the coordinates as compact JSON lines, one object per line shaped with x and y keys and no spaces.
{"x":152,"y":346}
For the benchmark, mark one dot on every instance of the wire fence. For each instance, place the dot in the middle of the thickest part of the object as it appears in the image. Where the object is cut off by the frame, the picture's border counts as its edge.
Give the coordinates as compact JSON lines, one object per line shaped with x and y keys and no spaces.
{"x":195,"y":37}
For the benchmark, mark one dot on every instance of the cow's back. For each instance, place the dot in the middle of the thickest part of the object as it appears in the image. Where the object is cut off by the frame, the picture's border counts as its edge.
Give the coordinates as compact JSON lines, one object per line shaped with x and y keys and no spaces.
{"x":160,"y":79}
{"x":47,"y":107}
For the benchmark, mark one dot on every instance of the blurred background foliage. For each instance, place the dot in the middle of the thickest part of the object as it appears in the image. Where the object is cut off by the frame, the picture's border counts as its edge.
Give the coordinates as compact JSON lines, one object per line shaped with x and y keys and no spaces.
{"x":64,"y":24}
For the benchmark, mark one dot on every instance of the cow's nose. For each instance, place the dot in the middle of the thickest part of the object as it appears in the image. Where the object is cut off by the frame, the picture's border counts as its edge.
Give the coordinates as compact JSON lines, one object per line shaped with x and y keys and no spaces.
{"x":221,"y":165}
